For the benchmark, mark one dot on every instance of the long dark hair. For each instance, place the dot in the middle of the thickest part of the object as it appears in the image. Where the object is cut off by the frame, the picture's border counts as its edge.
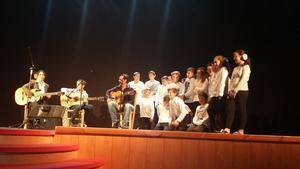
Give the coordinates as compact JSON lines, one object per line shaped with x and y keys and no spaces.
{"x":202,"y":72}
{"x":241,"y":52}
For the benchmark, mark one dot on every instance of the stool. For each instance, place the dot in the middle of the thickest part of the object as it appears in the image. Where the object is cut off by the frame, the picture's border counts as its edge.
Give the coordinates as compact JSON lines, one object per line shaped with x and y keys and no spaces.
{"x":80,"y":118}
{"x":131,"y":119}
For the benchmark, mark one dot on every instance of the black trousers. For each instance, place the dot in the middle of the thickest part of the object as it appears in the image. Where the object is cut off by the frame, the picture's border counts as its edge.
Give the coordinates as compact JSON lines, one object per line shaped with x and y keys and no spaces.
{"x":193,"y":106}
{"x":200,"y":128}
{"x":237,"y":106}
{"x":162,"y":126}
{"x":183,"y":125}
{"x":145,"y":123}
{"x":137,"y":121}
{"x":216,"y":112}
{"x":155,"y":118}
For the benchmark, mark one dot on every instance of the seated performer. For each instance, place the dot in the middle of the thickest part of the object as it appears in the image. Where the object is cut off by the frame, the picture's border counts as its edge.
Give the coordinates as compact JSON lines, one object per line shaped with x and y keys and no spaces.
{"x":164,"y":117}
{"x":179,"y":111}
{"x":34,"y":91}
{"x":120,"y":98}
{"x":37,"y":85}
{"x":200,"y":121}
{"x":76,"y":99}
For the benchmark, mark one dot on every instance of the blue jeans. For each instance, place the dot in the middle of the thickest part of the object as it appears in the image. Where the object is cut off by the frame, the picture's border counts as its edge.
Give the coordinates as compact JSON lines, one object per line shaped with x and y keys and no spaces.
{"x":113,"y":111}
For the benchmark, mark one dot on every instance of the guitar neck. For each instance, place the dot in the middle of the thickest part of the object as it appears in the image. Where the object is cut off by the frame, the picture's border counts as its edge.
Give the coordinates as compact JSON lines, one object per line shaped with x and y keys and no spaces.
{"x":95,"y":98}
{"x":51,"y":93}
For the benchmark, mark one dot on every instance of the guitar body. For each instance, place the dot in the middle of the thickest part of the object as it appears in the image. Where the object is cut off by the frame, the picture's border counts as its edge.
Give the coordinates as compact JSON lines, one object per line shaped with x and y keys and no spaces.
{"x":66,"y":102}
{"x":116,"y":96}
{"x":21,"y":97}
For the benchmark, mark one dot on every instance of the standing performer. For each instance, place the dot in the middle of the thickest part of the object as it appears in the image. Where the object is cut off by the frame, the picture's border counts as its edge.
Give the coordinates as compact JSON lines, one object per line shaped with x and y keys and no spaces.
{"x":218,"y":92}
{"x":238,"y":92}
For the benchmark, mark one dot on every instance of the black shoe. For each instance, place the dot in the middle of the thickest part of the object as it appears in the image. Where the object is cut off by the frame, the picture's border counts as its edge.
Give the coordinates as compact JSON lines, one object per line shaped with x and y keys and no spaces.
{"x":74,"y":121}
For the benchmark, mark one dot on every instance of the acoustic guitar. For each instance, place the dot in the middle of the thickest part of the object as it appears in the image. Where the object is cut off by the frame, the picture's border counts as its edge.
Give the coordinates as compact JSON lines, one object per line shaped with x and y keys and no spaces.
{"x":68,"y":101}
{"x":21,"y":97}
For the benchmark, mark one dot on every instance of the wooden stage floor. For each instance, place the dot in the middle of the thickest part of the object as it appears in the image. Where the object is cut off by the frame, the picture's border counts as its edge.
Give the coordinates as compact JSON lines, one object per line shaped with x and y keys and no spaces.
{"x":145,"y":149}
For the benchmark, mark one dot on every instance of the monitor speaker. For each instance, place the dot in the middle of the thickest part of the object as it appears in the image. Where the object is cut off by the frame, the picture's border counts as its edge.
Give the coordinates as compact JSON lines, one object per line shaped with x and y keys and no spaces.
{"x":45,"y":116}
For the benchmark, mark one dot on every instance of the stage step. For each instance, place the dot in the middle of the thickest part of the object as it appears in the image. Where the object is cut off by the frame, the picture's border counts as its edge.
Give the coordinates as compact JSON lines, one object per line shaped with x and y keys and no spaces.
{"x":36,"y":153}
{"x":26,"y":132}
{"x":70,"y":164}
{"x":34,"y":149}
{"x":24,"y":136}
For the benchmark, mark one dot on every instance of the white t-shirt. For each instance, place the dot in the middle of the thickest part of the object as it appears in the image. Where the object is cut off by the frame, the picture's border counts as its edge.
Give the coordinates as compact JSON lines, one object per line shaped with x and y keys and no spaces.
{"x":162,"y":91}
{"x":189,"y":93}
{"x":200,"y":87}
{"x":163,"y":113}
{"x":147,"y":107}
{"x":218,"y":83}
{"x":239,"y":78}
{"x":178,"y":109}
{"x":138,"y":87}
{"x":201,"y":115}
{"x":153,"y":85}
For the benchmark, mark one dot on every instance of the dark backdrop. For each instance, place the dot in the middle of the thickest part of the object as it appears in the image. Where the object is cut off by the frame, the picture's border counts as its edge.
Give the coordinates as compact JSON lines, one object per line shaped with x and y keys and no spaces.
{"x":98,"y":40}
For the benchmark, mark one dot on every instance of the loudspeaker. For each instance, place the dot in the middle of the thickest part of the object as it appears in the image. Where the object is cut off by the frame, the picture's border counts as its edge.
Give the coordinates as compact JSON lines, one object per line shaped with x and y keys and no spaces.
{"x":46,"y":116}
{"x":46,"y":123}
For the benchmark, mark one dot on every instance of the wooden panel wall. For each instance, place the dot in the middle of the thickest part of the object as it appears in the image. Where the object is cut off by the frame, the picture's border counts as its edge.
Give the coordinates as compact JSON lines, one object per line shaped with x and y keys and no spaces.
{"x":174,"y":150}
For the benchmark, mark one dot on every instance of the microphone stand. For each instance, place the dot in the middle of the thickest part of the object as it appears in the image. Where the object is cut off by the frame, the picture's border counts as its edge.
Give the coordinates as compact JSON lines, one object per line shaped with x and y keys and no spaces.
{"x":26,"y":107}
{"x":81,"y":104}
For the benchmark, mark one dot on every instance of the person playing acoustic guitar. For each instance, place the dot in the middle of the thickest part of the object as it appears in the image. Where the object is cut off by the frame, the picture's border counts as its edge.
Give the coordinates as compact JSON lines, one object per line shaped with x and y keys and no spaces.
{"x":120,"y":98}
{"x":37,"y":85}
{"x":76,"y":99}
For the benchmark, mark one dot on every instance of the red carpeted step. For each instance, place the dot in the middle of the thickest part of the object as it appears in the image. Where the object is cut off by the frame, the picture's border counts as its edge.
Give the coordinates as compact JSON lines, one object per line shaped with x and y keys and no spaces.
{"x":37,"y":148}
{"x":26,"y":132}
{"x":36,"y":153}
{"x":70,"y":164}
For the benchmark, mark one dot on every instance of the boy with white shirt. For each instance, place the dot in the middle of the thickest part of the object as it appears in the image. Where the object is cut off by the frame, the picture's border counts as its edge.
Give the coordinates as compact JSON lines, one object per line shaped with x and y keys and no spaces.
{"x":163,"y":112}
{"x":138,"y":86}
{"x":152,"y":83}
{"x":175,"y":76}
{"x":147,"y":109}
{"x":162,"y":91}
{"x":179,"y":111}
{"x":189,"y":92}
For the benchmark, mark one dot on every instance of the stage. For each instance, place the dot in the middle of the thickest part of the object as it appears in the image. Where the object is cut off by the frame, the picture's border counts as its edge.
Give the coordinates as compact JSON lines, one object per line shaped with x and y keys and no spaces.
{"x":170,"y":150}
{"x":145,"y":149}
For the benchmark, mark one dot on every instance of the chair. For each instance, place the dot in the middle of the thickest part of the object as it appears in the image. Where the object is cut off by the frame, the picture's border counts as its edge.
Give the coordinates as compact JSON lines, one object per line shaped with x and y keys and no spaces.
{"x":80,"y":119}
{"x":131,"y":119}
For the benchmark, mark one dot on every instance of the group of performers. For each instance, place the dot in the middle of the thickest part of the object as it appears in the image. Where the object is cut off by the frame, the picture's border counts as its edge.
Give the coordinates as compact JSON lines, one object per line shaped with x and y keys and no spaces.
{"x":72,"y":98}
{"x":208,"y":99}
